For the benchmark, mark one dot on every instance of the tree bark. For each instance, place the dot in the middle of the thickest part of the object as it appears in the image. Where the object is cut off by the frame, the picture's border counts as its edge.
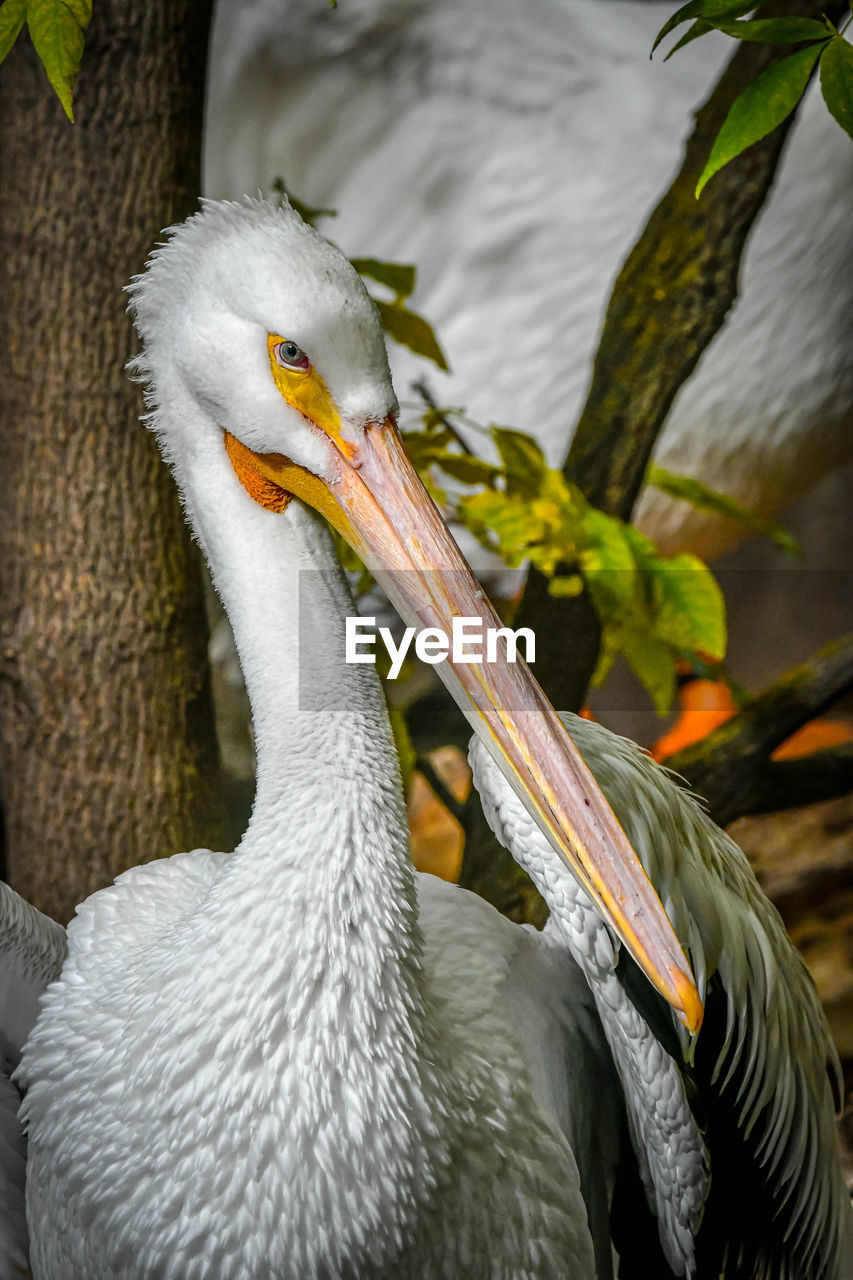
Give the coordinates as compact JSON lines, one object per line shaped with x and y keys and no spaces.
{"x":108,"y":747}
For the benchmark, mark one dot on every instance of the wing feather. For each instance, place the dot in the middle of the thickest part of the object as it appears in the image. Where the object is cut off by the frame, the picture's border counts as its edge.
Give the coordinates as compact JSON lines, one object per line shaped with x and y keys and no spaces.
{"x":765,"y":1055}
{"x":32,"y":949}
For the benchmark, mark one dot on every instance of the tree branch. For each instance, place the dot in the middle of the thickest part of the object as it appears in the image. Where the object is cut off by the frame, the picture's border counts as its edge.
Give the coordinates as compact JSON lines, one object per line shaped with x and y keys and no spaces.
{"x":787,"y":784}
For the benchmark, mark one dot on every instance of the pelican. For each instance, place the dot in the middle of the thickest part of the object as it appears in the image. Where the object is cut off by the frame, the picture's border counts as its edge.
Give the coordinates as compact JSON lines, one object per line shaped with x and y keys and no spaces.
{"x":304,"y":1060}
{"x":525,"y":146}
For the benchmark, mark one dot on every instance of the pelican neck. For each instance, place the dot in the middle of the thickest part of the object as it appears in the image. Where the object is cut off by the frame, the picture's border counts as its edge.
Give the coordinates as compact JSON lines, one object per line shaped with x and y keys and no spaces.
{"x":320,"y":724}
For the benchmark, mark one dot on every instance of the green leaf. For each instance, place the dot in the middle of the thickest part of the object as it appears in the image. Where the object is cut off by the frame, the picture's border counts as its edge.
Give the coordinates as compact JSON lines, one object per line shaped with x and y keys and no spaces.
{"x":410,"y":330}
{"x":12,"y":15}
{"x":683,"y":598}
{"x":653,"y":663}
{"x":780,"y":30}
{"x":760,"y":108}
{"x":523,"y":460}
{"x":703,"y":9}
{"x":690,"y":612}
{"x":434,"y":419}
{"x":836,"y":81}
{"x":58,"y":32}
{"x":502,"y":522}
{"x":608,"y":562}
{"x":699,"y":28}
{"x":399,"y":277}
{"x":610,"y":548}
{"x":688,"y":489}
{"x":430,"y":448}
{"x":423,"y":446}
{"x":687,"y":11}
{"x":607,"y":655}
{"x":466,"y":467}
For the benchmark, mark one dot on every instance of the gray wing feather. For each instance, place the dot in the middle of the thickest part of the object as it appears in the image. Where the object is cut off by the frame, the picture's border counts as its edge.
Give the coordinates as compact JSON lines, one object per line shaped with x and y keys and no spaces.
{"x":32,"y":951}
{"x":772,"y":1058}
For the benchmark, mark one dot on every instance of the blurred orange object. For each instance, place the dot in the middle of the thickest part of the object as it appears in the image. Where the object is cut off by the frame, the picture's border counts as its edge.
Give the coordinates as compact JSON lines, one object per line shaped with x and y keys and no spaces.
{"x":705,"y":704}
{"x":437,"y":837}
{"x":814,"y":736}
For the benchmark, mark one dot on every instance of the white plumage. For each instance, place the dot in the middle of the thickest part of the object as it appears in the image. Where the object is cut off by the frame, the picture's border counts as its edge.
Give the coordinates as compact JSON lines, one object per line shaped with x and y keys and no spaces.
{"x":303,"y":1060}
{"x":512,"y":152}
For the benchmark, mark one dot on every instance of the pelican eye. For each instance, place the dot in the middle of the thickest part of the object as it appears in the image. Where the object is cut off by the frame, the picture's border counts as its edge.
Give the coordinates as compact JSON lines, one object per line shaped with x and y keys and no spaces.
{"x":290,"y":356}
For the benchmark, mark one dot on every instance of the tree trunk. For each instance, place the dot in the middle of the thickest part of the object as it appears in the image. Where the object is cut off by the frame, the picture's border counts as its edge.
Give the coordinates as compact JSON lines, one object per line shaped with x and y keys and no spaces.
{"x":108,"y":747}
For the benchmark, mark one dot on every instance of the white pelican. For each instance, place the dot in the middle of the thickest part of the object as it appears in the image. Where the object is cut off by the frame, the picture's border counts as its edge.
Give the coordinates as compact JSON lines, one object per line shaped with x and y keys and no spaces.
{"x":524,"y":145}
{"x":303,"y":1060}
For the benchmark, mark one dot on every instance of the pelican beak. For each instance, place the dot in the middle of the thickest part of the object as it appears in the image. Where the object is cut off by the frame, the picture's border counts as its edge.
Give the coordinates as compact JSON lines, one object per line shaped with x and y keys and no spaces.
{"x":374,"y":497}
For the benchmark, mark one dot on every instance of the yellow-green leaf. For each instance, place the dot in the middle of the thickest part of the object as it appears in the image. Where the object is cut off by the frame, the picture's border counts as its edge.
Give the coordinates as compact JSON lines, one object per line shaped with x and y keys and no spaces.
{"x":12,"y":15}
{"x":609,"y":548}
{"x":411,"y":330}
{"x":690,"y":612}
{"x":607,"y":655}
{"x":761,"y":107}
{"x":699,"y":495}
{"x":608,"y":561}
{"x":653,"y":663}
{"x":58,"y":32}
{"x":565,"y":586}
{"x":465,"y":467}
{"x":836,"y":81}
{"x":423,"y":446}
{"x":502,"y":522}
{"x":523,"y":461}
{"x":399,"y":277}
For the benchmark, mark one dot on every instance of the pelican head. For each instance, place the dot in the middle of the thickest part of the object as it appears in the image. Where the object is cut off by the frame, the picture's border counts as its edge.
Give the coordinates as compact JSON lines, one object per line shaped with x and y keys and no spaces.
{"x":266,"y":336}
